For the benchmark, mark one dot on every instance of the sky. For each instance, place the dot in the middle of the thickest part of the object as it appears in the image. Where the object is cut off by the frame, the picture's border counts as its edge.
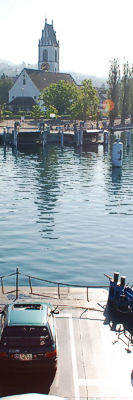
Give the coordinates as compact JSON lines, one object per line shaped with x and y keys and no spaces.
{"x":90,"y":32}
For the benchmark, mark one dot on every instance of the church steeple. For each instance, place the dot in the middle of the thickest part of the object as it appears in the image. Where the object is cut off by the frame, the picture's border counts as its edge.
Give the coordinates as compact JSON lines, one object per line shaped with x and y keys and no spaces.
{"x":48,"y":49}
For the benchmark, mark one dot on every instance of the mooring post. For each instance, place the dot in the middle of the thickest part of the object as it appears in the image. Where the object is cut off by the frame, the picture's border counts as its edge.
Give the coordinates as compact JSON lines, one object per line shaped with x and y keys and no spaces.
{"x":15,"y":133}
{"x":105,"y":137}
{"x":78,"y":133}
{"x":44,"y":138}
{"x":62,"y":137}
{"x":75,"y":133}
{"x":16,"y":283}
{"x":4,"y":136}
{"x":81,"y":136}
{"x":128,"y":138}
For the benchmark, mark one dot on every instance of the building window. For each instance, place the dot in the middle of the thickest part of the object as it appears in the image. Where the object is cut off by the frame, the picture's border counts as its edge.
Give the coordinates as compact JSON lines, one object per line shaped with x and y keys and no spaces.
{"x":24,"y":82}
{"x":55,"y":56}
{"x":45,"y":55}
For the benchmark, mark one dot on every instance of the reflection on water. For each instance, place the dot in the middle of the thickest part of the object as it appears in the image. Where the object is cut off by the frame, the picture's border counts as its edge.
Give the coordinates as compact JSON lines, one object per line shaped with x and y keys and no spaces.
{"x":116,"y":176}
{"x":66,"y":214}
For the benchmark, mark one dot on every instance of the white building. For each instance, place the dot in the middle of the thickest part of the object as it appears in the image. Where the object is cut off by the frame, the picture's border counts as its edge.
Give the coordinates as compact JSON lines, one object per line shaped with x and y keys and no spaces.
{"x":48,"y":49}
{"x":28,"y":86}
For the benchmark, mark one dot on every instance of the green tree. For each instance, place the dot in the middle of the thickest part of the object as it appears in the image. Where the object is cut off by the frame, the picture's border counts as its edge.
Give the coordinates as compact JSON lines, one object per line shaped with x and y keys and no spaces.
{"x":51,"y":110}
{"x":131,"y":97}
{"x":5,"y":85}
{"x":2,"y":111}
{"x":113,"y":89}
{"x":89,"y":100}
{"x":86,"y":103}
{"x":125,"y":88}
{"x":67,"y":98}
{"x":36,"y":112}
{"x":59,"y":95}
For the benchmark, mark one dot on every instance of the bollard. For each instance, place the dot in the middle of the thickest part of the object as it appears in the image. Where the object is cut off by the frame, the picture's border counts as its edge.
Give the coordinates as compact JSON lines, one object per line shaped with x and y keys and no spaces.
{"x":77,"y":137}
{"x":105,"y":137}
{"x":44,"y":138}
{"x":41,"y":126}
{"x":15,"y":138}
{"x":81,"y":136}
{"x":15,"y":133}
{"x":4,"y":136}
{"x":62,"y":137}
{"x":117,"y":154}
{"x":128,"y":138}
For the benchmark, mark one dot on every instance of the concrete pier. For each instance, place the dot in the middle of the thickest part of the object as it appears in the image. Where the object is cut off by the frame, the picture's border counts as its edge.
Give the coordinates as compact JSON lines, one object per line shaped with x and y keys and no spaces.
{"x":94,"y":353}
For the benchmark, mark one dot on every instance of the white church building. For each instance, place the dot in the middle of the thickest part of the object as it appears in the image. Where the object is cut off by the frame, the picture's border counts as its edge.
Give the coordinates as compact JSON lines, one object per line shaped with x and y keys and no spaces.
{"x":29,"y":84}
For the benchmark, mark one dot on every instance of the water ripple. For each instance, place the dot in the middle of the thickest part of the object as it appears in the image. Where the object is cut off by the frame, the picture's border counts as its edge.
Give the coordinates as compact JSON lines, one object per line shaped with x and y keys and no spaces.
{"x":65,"y":214}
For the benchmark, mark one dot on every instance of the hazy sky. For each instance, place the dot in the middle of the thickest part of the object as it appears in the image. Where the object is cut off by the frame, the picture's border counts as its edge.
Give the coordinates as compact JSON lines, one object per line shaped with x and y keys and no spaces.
{"x":90,"y":32}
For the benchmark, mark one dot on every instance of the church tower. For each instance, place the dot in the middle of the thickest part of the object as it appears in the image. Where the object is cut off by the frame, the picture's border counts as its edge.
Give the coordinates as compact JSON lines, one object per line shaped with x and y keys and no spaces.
{"x":48,"y":50}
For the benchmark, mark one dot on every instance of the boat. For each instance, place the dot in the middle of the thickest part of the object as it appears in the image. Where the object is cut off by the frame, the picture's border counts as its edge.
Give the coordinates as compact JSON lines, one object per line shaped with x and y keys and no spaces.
{"x":96,"y":136}
{"x":120,"y":295}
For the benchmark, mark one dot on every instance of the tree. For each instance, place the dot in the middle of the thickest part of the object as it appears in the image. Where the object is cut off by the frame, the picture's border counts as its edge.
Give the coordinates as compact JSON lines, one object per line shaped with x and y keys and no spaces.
{"x":51,"y":110}
{"x":86,"y":103}
{"x":5,"y":85}
{"x":113,"y":89}
{"x":1,"y":111}
{"x":125,"y":86}
{"x":59,"y":95}
{"x":89,"y":100}
{"x":67,"y":98}
{"x":131,"y":96}
{"x":36,"y":112}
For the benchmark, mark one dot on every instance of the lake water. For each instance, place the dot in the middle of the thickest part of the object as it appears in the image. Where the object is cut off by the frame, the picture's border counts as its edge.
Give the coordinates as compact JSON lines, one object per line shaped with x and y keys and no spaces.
{"x":65,"y":214}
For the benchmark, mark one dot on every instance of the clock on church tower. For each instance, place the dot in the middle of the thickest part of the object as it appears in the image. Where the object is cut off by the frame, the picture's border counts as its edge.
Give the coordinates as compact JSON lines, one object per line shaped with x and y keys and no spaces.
{"x":45,"y":66}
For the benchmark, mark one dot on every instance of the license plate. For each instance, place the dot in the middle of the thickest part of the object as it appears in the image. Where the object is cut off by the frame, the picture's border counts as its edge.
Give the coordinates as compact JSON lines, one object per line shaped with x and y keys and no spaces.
{"x":24,"y":357}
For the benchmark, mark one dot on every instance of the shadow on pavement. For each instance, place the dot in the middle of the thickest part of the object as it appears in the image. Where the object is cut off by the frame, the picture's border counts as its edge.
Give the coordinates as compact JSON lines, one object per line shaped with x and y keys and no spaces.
{"x":12,"y":383}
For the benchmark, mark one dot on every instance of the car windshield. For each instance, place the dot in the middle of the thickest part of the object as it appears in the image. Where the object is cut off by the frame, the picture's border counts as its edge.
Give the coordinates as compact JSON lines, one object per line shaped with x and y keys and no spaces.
{"x":20,"y":331}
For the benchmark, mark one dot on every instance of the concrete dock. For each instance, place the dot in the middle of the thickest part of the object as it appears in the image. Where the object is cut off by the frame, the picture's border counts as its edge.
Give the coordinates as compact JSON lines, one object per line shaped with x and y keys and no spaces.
{"x":95,"y":354}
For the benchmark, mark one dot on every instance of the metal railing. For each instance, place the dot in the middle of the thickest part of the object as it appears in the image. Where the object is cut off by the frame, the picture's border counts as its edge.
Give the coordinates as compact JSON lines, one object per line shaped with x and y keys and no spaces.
{"x":53,"y":283}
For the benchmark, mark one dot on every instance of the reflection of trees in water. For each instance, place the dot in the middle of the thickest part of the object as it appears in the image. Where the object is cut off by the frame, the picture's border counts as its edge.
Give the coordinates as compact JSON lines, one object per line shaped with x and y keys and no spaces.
{"x":40,"y":175}
{"x":47,"y":190}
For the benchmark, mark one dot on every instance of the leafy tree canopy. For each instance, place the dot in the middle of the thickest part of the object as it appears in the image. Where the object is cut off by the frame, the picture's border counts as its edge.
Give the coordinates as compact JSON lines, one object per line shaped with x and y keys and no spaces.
{"x":67,"y":98}
{"x":5,"y":85}
{"x":36,"y":112}
{"x":114,"y":88}
{"x":51,"y":110}
{"x":60,"y":95}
